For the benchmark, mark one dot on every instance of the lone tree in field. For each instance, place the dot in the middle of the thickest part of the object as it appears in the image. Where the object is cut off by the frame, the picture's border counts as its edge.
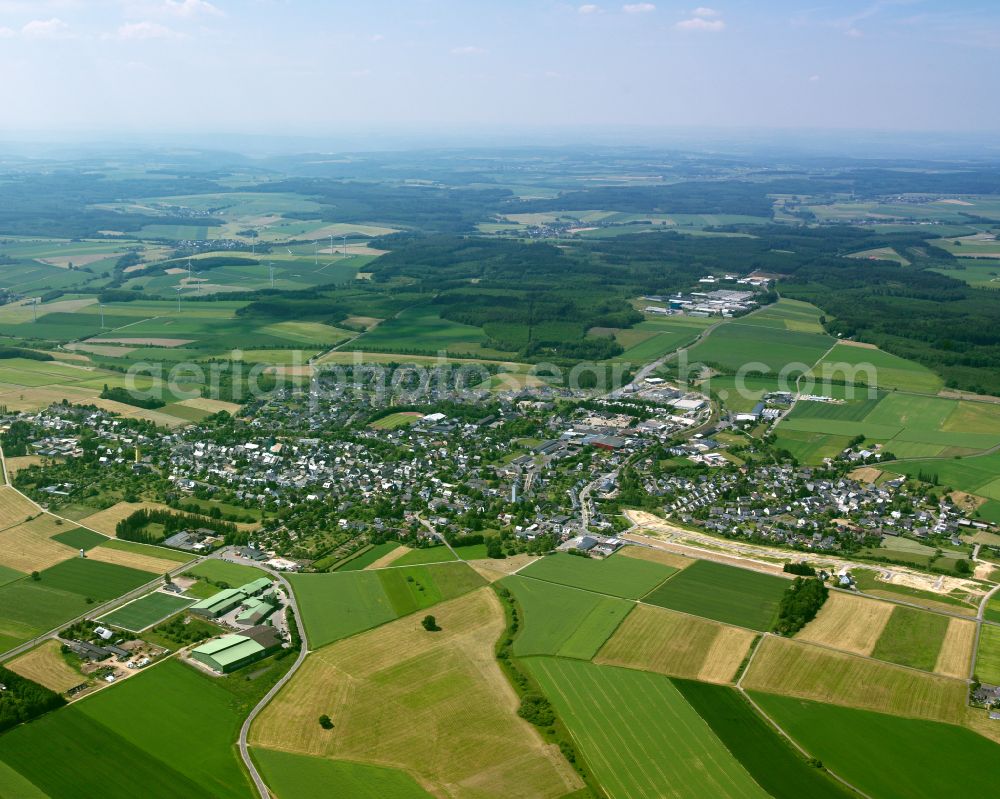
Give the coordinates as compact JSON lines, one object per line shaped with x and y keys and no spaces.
{"x":36,"y":576}
{"x":430,"y":624}
{"x":166,"y":579}
{"x":325,"y":722}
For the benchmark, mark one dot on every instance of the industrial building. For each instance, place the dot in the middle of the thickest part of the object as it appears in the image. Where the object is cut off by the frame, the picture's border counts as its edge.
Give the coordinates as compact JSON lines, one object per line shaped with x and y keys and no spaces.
{"x":228,"y":599}
{"x":231,"y":652}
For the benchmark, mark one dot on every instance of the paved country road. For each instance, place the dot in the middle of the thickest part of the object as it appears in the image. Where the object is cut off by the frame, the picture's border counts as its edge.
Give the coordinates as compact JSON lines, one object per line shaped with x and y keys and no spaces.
{"x":262,"y":788}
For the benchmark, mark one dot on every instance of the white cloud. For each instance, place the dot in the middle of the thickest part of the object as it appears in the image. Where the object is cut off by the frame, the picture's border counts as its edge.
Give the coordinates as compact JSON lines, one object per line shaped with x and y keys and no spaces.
{"x":854,"y":33}
{"x":376,"y":37}
{"x":53,"y":28}
{"x":638,"y":8}
{"x":588,"y":8}
{"x":144,"y":30}
{"x":701,"y":24}
{"x":7,"y":33}
{"x":814,"y":78}
{"x":468,"y":49}
{"x":704,"y":12}
{"x":191,"y":8}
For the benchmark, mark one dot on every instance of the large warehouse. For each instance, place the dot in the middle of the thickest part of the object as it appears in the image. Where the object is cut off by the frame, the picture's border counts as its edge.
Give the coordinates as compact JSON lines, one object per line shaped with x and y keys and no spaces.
{"x":230,"y":652}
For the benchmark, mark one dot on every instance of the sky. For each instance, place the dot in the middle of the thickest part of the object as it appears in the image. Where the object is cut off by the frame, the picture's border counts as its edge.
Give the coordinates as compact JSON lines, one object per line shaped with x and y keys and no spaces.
{"x":312,"y":68}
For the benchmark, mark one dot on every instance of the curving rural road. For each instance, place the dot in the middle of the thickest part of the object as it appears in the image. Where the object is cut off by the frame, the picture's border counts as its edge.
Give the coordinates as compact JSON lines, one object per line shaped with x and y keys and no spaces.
{"x":262,"y":788}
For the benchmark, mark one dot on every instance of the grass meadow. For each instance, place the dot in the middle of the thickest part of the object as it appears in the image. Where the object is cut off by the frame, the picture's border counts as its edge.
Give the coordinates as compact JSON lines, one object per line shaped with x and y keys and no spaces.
{"x":146,"y":611}
{"x":881,"y":754}
{"x":639,"y":735}
{"x":434,"y":704}
{"x":731,"y":346}
{"x":988,"y":655}
{"x":147,"y":722}
{"x":912,"y":638}
{"x":628,"y":578}
{"x":563,"y":621}
{"x":340,"y":604}
{"x":776,"y":766}
{"x":291,"y":776}
{"x":734,"y":596}
{"x":94,"y":579}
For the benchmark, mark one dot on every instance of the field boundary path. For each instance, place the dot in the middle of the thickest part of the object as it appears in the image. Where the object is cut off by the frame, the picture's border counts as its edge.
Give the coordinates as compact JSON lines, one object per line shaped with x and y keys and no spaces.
{"x":251,"y":767}
{"x":98,"y":610}
{"x":778,"y":727}
{"x":980,"y":620}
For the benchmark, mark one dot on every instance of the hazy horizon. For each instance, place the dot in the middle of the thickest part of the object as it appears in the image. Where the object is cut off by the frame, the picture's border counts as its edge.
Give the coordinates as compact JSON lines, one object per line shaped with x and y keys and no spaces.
{"x":162,"y":69}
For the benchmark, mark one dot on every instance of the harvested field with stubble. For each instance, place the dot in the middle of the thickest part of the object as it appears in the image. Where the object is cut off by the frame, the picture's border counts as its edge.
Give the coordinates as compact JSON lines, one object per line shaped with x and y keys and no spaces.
{"x":28,"y":547}
{"x":653,"y":639}
{"x":433,"y":704}
{"x":134,"y":560}
{"x":956,"y":650}
{"x":18,"y":462}
{"x":104,"y":521}
{"x":14,"y":508}
{"x":671,"y":559}
{"x":45,"y":665}
{"x":793,"y":668}
{"x":848,"y":622}
{"x":493,"y":570}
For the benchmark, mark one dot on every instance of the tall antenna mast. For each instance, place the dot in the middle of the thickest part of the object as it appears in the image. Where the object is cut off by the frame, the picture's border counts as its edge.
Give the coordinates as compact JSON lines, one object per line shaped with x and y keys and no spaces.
{"x":100,"y":307}
{"x":270,"y":267}
{"x":34,"y":309}
{"x":345,"y":245}
{"x":331,"y":245}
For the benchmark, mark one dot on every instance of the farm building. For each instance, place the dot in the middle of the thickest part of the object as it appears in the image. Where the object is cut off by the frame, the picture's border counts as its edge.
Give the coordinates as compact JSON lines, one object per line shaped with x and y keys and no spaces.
{"x":230,"y":652}
{"x":254,"y":611}
{"x":219,"y":604}
{"x":230,"y":598}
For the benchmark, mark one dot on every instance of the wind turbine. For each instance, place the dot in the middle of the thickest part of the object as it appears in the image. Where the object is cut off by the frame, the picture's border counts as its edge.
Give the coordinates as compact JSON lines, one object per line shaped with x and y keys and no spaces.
{"x":270,"y":266}
{"x":100,"y":307}
{"x":345,"y":245}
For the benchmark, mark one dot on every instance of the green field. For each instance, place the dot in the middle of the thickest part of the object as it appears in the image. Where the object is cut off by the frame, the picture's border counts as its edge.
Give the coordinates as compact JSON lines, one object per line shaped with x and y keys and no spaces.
{"x":874,"y":367}
{"x":908,"y":424}
{"x":881,"y":754}
{"x":771,"y":760}
{"x":394,"y":420}
{"x":147,"y":722}
{"x":368,"y":557}
{"x":629,"y":578}
{"x":146,"y":549}
{"x":80,"y":538}
{"x":340,"y":604}
{"x":736,"y":344}
{"x":9,"y":575}
{"x":977,"y":475}
{"x":912,"y":638}
{"x":293,"y":776}
{"x":432,"y":554}
{"x":421,"y":329}
{"x":145,"y":611}
{"x":988,"y":655}
{"x":417,"y":587}
{"x":93,"y":578}
{"x":786,"y":314}
{"x":638,"y":734}
{"x":28,"y":608}
{"x":724,"y":593}
{"x":559,"y":620}
{"x":221,"y":571}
